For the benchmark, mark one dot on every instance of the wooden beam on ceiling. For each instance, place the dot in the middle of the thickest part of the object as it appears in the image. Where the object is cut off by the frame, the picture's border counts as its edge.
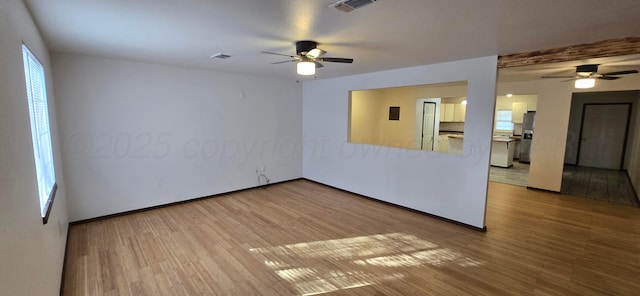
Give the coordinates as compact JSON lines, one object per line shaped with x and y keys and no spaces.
{"x":600,"y":49}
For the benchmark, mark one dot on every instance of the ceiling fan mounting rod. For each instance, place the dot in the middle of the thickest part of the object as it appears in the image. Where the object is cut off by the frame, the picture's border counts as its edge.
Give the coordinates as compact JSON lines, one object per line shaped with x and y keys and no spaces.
{"x":304,"y":46}
{"x":592,"y":68}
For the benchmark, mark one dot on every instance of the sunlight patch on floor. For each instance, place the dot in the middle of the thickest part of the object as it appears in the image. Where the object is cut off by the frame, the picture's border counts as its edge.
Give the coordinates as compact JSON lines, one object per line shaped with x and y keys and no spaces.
{"x":355,"y":262}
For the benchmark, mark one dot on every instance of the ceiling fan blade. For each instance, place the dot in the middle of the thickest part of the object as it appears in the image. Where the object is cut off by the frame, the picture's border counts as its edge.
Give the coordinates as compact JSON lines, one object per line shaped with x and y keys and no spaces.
{"x":318,"y":65}
{"x":283,"y":62}
{"x":280,"y":54}
{"x":336,"y":60}
{"x":620,"y":72}
{"x":559,"y":77}
{"x":604,"y":77}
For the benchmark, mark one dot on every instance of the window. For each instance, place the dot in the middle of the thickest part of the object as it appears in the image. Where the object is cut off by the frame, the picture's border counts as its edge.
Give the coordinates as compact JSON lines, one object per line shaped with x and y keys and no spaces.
{"x":40,"y":131}
{"x":504,"y":120}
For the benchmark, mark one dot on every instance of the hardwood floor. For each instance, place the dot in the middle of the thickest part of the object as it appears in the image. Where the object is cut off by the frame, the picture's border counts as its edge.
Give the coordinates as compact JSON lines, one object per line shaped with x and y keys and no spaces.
{"x":303,"y":238}
{"x":600,"y":184}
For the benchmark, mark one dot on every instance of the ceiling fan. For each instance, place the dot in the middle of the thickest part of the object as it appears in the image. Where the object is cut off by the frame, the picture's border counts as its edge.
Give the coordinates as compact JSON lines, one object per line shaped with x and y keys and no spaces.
{"x":587,"y":74}
{"x":308,"y":57}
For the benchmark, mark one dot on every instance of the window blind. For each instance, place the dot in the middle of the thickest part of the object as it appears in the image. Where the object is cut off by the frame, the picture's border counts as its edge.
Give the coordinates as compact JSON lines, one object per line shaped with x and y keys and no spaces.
{"x":504,"y":120}
{"x":40,"y":129}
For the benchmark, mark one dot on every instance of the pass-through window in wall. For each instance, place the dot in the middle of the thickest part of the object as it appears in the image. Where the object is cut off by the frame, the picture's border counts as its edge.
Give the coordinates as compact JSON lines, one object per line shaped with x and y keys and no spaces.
{"x":40,"y":131}
{"x":431,"y":117}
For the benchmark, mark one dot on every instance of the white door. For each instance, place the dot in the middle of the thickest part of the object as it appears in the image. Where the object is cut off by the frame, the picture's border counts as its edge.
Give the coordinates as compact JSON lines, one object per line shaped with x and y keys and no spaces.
{"x":428,"y":125}
{"x":604,"y":131}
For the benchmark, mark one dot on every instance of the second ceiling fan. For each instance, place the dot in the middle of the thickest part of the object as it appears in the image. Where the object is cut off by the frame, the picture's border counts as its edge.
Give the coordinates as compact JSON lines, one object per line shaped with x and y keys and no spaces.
{"x":308,"y":57}
{"x":587,"y":74}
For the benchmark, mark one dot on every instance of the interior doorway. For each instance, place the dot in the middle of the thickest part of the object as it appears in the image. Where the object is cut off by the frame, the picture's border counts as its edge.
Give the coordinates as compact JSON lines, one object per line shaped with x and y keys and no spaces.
{"x":428,"y":125}
{"x":603,"y":135}
{"x":599,"y":146}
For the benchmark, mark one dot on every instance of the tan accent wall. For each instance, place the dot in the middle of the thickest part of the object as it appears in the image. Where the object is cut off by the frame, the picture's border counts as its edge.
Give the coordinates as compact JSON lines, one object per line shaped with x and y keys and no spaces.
{"x":370,"y":122}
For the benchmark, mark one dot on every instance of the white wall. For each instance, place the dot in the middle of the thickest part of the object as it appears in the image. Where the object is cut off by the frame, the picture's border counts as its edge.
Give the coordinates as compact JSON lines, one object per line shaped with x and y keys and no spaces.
{"x":31,"y":254}
{"x":450,"y":186}
{"x":549,"y":139}
{"x":138,"y":135}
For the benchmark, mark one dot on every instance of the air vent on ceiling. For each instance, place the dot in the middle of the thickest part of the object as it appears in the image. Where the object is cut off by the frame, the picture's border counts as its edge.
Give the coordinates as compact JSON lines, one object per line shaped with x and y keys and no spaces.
{"x":220,"y":56}
{"x":349,"y":5}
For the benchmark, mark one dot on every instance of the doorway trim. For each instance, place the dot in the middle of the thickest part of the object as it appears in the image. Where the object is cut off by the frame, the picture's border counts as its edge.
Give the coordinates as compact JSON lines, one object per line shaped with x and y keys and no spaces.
{"x":626,"y":131}
{"x":419,"y":114}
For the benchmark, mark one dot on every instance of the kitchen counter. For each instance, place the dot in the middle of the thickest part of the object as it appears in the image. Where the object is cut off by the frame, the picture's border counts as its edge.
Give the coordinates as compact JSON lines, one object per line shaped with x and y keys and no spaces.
{"x":503,"y":139}
{"x":455,"y":144}
{"x":502,"y":151}
{"x":494,"y":139}
{"x":443,"y":140}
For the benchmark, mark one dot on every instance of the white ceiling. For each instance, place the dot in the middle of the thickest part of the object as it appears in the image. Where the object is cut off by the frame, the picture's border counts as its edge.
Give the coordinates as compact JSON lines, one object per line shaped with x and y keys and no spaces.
{"x":387,"y":34}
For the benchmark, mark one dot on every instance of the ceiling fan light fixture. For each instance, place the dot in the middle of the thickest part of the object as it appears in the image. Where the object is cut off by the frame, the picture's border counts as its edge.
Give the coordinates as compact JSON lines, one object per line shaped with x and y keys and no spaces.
{"x":306,"y":68}
{"x":585,"y":83}
{"x":308,"y":58}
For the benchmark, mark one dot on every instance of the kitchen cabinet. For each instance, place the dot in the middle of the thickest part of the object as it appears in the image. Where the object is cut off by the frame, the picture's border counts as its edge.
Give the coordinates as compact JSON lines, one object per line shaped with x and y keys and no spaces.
{"x":502,"y":151}
{"x":517,"y":112}
{"x":446,"y":112}
{"x":459,"y":112}
{"x":452,"y":112}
